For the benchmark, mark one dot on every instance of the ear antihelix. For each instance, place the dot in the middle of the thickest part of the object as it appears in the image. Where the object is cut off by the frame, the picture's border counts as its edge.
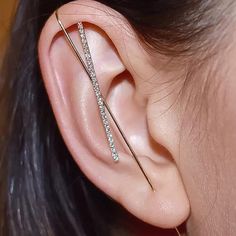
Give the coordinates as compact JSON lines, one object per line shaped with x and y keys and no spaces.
{"x":104,"y":109}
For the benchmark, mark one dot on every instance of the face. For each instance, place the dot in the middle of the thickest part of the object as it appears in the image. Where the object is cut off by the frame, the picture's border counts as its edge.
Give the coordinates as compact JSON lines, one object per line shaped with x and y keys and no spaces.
{"x":207,"y":149}
{"x":204,"y":104}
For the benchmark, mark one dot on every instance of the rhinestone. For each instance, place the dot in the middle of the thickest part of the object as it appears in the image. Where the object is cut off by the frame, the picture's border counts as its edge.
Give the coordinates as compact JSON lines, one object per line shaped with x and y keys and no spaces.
{"x":108,"y":132}
{"x":110,"y":139}
{"x":97,"y":93}
{"x":88,"y":56}
{"x":105,"y":122}
{"x":115,"y":156}
{"x":103,"y":113}
{"x":102,"y":110}
{"x":107,"y":128}
{"x":96,"y":88}
{"x":93,"y":75}
{"x":81,"y":30}
{"x":111,"y":144}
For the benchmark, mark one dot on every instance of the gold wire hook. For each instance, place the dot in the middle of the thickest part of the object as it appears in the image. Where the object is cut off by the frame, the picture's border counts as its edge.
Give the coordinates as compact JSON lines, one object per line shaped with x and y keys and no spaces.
{"x":176,"y":229}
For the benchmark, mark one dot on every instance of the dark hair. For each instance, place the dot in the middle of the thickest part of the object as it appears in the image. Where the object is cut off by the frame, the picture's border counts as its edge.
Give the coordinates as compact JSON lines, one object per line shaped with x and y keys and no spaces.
{"x":42,"y":191}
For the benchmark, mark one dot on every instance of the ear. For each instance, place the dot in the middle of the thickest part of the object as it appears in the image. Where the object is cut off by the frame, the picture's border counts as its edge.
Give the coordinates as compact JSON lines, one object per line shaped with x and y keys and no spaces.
{"x":121,"y":66}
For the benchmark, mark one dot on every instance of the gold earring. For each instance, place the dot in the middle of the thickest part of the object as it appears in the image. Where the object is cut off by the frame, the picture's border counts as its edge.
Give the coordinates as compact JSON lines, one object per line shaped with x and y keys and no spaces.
{"x":102,"y":105}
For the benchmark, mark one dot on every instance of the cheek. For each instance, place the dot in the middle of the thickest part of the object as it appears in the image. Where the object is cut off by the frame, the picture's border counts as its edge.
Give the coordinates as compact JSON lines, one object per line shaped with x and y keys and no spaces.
{"x":228,"y":113}
{"x":199,"y":168}
{"x":207,"y":157}
{"x":228,"y":137}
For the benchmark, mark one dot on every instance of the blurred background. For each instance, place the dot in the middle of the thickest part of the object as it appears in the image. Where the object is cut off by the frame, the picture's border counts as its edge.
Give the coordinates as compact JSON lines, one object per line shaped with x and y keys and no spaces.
{"x":7,"y":10}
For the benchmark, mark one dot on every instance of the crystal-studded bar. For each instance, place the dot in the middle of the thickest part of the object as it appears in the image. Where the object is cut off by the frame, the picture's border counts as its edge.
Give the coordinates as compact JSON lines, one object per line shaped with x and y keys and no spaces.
{"x":97,"y":91}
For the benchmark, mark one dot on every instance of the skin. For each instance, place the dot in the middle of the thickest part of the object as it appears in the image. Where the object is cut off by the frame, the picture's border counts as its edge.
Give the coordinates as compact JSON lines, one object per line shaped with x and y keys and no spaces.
{"x":185,"y":143}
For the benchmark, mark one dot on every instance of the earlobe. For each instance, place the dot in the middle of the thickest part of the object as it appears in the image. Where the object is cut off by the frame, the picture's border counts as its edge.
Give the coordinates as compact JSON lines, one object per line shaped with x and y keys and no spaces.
{"x":74,"y":105}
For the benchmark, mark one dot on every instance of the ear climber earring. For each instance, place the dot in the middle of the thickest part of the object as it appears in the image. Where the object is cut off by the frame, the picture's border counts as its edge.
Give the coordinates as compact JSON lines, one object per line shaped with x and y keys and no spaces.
{"x":102,"y":105}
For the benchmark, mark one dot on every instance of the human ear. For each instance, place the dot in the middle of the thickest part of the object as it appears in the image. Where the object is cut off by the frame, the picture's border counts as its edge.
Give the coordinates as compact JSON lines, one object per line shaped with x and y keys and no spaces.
{"x":119,"y":63}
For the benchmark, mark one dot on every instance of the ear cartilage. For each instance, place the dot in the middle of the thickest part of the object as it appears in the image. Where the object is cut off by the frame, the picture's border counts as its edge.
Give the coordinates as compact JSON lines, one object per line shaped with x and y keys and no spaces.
{"x":100,"y":99}
{"x":96,"y":88}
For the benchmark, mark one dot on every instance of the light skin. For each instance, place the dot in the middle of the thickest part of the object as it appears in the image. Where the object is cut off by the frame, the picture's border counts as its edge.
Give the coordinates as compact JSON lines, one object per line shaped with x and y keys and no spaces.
{"x":185,"y":144}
